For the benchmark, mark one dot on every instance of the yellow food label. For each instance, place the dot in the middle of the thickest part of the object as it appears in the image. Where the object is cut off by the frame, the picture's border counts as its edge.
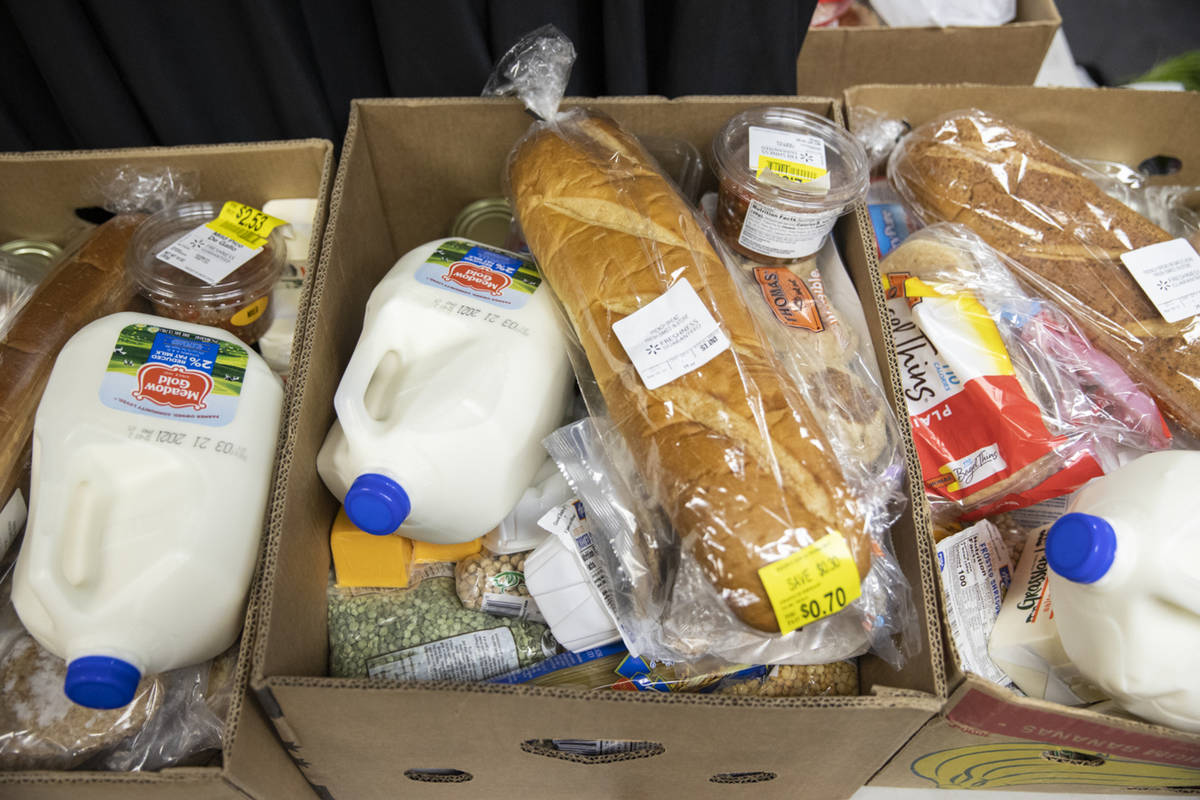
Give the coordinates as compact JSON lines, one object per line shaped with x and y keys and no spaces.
{"x":251,"y":312}
{"x":812,"y":583}
{"x":791,"y":170}
{"x":245,"y":224}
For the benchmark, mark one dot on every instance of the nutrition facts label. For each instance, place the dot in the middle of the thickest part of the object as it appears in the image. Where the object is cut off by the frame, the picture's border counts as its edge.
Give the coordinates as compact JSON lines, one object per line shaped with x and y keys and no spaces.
{"x":784,"y":234}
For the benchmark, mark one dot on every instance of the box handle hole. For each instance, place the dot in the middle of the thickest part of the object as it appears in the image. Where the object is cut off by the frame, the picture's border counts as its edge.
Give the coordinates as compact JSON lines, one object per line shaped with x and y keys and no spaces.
{"x":1160,"y":165}
{"x":1074,"y":757}
{"x":742,"y":777}
{"x":438,"y":775}
{"x":592,"y":751}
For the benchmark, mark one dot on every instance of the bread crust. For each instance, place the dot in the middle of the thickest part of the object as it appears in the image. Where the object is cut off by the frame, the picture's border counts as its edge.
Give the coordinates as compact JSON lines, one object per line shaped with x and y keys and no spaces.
{"x":1036,"y":206}
{"x":740,"y":464}
{"x":85,"y":286}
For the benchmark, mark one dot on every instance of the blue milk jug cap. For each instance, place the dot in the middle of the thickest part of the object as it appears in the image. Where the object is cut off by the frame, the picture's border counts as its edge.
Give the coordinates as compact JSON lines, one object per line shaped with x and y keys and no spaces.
{"x":377,"y":504}
{"x":101,"y":682}
{"x":1080,"y":547}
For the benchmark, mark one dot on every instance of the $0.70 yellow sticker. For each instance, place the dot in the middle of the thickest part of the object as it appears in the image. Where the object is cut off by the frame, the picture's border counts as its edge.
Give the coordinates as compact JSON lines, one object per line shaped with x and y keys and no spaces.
{"x":811,"y":583}
{"x":245,"y":224}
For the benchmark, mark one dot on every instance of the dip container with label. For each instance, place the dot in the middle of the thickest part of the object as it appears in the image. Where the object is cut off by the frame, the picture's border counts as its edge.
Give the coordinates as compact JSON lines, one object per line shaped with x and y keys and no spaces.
{"x":239,"y":302}
{"x":785,"y":175}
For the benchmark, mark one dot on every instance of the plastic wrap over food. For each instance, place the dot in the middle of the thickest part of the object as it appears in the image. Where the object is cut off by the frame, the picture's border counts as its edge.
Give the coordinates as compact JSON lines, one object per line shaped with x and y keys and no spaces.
{"x":129,"y":189}
{"x":1009,"y":403}
{"x":18,"y":279}
{"x":1133,"y":289}
{"x":719,"y":436}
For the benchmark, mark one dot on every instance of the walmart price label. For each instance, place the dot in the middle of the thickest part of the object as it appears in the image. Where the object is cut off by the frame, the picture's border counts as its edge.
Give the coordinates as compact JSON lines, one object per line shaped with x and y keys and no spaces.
{"x":670,"y":336}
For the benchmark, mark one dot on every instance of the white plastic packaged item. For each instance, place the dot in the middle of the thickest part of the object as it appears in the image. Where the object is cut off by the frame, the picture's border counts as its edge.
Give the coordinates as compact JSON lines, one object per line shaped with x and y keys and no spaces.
{"x":153,"y":449}
{"x":564,"y":576}
{"x":786,"y":175}
{"x":460,"y":371}
{"x":945,"y":13}
{"x":1024,"y":642}
{"x":276,"y":343}
{"x":519,"y":531}
{"x":976,"y":571}
{"x":1126,"y":564}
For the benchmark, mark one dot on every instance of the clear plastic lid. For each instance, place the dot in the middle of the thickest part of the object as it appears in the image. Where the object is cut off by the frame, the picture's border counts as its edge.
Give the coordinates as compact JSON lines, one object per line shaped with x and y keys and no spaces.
{"x":165,"y":283}
{"x":792,"y":136}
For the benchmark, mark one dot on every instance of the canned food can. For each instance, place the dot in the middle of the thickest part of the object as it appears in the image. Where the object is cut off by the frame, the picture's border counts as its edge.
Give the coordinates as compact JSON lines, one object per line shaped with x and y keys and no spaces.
{"x":488,"y":221}
{"x":42,"y":253}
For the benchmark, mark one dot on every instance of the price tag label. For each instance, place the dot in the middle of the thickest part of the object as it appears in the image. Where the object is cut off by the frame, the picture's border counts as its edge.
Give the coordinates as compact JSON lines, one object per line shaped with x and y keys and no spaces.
{"x":671,"y":335}
{"x":211,"y":252}
{"x":245,"y":224}
{"x":1169,"y":274}
{"x":812,"y":583}
{"x":794,"y":157}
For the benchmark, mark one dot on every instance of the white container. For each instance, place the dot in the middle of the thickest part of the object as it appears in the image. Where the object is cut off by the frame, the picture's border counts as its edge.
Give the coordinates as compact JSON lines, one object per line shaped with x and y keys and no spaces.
{"x":519,"y":531}
{"x":461,"y":370}
{"x":1126,"y":585}
{"x":153,"y":448}
{"x":559,"y":575}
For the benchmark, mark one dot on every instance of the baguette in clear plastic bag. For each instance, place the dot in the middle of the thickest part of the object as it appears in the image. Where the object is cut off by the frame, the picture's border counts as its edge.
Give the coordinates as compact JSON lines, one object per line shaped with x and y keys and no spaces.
{"x":693,"y":399}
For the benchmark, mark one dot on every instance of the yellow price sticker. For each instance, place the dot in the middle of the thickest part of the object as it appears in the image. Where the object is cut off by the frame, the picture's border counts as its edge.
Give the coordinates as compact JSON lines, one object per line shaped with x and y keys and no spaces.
{"x":245,"y":224}
{"x":811,"y":583}
{"x":791,"y":170}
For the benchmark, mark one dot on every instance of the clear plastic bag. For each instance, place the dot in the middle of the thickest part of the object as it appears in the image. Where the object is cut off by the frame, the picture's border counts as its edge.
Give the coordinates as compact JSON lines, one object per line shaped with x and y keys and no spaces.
{"x":495,"y":584}
{"x":1008,"y":402}
{"x":384,"y":633}
{"x":1067,"y":239}
{"x":18,"y":279}
{"x":709,"y":424}
{"x":129,"y":189}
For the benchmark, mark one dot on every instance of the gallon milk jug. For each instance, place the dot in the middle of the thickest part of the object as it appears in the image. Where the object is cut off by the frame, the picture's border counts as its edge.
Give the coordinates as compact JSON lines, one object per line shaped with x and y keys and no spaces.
{"x":460,"y":371}
{"x":152,"y":454}
{"x":1126,"y":586}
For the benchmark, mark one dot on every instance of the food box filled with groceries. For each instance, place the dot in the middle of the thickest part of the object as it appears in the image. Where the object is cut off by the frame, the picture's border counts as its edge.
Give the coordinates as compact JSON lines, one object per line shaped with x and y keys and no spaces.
{"x":590,"y":449}
{"x":1037,"y":249}
{"x":147,"y":302}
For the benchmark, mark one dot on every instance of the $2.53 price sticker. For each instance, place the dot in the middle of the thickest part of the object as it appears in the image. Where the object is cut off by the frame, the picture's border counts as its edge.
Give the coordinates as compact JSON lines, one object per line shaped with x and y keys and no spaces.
{"x":245,"y":224}
{"x":811,"y":583}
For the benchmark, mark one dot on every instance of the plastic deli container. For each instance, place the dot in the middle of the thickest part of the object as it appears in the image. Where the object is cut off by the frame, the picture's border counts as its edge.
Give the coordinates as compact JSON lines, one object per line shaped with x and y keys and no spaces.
{"x":239,"y":302}
{"x":786,"y":175}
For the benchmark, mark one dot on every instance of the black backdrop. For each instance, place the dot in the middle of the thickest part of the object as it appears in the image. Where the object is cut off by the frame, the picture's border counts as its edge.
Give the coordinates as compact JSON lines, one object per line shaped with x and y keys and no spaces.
{"x":115,"y":73}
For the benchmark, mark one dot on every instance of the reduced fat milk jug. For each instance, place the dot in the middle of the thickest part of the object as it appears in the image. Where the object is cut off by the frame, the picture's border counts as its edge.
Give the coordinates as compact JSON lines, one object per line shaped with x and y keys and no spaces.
{"x":152,"y":456}
{"x":460,"y":371}
{"x":1126,"y":585}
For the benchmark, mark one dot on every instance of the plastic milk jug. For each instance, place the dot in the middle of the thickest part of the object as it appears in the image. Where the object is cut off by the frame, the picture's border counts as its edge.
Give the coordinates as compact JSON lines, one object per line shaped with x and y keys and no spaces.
{"x":461,"y":370}
{"x":152,"y":458}
{"x":1126,"y":584}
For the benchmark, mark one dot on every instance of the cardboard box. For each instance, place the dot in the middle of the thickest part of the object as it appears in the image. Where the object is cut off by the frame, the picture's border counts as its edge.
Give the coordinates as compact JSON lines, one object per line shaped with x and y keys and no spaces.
{"x":407,"y":167}
{"x":987,"y":736}
{"x":42,"y":192}
{"x":832,"y":60}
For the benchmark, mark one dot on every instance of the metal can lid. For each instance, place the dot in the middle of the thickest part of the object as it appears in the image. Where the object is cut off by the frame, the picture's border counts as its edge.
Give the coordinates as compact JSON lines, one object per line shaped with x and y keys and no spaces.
{"x":43,"y":253}
{"x":487,"y":221}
